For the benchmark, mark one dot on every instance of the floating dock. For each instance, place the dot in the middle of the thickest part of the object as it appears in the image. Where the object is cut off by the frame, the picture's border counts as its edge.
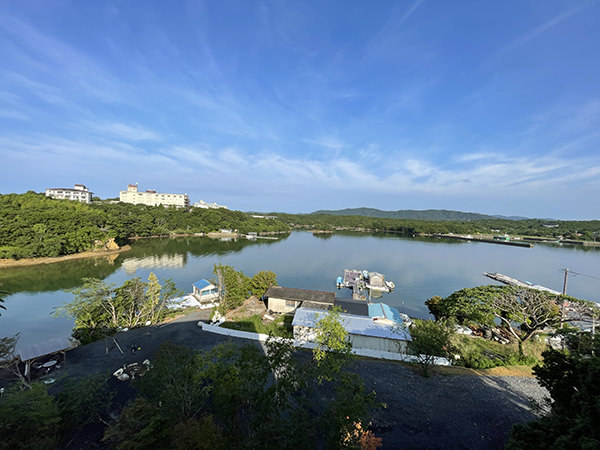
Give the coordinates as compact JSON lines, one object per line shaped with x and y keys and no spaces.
{"x":514,"y":282}
{"x":363,"y":282}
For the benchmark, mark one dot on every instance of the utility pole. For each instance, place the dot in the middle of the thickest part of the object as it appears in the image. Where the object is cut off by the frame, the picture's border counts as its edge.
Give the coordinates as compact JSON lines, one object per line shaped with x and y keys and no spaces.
{"x":565,"y":282}
{"x":564,"y":292}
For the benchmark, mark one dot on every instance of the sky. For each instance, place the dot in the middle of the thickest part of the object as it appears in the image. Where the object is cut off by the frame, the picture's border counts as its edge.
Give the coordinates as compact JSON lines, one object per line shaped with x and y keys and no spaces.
{"x":295,"y":106}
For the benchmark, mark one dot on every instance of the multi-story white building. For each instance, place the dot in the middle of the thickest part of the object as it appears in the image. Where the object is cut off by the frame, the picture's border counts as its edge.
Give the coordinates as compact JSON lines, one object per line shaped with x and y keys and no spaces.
{"x":205,"y":205}
{"x":79,"y":193}
{"x":152,"y":198}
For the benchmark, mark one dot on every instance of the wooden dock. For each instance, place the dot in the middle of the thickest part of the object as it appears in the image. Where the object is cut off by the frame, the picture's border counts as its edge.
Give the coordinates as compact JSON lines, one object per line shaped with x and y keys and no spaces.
{"x":514,"y":282}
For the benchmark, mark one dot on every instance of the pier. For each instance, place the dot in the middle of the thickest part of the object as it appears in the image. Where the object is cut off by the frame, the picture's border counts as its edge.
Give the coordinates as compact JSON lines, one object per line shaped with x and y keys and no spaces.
{"x":480,"y":239}
{"x":514,"y":282}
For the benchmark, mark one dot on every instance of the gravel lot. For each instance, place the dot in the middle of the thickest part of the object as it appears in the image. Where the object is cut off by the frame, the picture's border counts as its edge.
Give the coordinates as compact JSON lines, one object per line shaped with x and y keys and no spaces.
{"x":443,"y":411}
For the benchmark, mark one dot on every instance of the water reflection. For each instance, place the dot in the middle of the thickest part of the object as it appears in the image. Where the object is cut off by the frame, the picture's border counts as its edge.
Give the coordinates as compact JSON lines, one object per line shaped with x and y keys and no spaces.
{"x":419,"y":267}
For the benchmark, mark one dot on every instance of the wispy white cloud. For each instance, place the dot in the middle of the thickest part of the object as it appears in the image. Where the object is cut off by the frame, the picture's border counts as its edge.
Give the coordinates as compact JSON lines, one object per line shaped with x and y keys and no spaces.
{"x":540,"y":29}
{"x":120,"y":131}
{"x":328,"y":142}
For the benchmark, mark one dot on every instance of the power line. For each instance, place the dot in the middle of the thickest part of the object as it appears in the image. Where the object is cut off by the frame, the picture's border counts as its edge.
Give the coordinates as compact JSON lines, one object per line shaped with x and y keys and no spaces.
{"x":584,"y":275}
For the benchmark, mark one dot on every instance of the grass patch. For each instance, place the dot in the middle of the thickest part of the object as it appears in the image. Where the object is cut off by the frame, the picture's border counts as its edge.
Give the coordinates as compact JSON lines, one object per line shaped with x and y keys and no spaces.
{"x":479,"y":353}
{"x":281,"y":326}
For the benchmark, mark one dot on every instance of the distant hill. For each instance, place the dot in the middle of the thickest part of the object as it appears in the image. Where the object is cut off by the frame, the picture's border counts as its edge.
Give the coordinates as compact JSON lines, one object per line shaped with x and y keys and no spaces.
{"x":427,"y":214}
{"x":514,"y":217}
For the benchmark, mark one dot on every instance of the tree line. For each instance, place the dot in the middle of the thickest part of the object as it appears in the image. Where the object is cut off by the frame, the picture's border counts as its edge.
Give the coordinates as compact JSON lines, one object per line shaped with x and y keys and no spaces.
{"x":580,"y":230}
{"x":33,"y":225}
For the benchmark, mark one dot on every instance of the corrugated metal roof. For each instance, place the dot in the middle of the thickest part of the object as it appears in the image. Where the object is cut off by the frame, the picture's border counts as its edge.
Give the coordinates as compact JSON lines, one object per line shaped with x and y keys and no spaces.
{"x":202,"y":284}
{"x":45,"y":348}
{"x":359,"y":325}
{"x":385,"y":311}
{"x":300,"y":295}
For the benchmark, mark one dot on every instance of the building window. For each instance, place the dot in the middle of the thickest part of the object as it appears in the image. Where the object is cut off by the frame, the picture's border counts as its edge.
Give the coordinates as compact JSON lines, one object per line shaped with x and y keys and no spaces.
{"x":290,"y":304}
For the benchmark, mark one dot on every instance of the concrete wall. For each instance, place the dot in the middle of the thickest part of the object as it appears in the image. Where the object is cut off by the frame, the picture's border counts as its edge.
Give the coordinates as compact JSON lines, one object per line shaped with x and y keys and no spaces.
{"x":395,"y":356}
{"x":379,"y":344}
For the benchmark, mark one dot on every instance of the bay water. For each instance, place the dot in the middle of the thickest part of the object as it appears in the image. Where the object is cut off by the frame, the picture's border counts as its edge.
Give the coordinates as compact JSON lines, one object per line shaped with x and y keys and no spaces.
{"x":419,"y":267}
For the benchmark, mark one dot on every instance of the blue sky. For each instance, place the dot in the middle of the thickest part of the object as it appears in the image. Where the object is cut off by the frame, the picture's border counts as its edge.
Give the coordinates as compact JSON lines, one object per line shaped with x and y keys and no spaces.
{"x":490,"y":107}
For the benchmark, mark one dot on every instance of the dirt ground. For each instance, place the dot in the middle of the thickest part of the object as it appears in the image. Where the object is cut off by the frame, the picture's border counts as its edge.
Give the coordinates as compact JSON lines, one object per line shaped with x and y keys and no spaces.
{"x":453,"y":409}
{"x":50,"y":260}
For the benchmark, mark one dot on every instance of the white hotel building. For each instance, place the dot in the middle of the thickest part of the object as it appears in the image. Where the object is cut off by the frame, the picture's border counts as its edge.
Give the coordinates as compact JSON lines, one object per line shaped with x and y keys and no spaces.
{"x":153,"y":198}
{"x":79,"y":193}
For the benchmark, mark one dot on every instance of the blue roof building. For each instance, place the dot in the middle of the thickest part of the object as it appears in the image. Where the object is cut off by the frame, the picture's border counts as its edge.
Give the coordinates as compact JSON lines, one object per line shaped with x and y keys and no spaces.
{"x":384,"y":312}
{"x":205,"y":290}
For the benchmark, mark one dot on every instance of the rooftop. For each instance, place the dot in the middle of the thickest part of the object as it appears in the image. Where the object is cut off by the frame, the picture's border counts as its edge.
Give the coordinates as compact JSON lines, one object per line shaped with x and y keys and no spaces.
{"x":50,"y":347}
{"x":356,"y":307}
{"x":300,"y":295}
{"x":359,"y":325}
{"x":202,"y":284}
{"x":382,"y":310}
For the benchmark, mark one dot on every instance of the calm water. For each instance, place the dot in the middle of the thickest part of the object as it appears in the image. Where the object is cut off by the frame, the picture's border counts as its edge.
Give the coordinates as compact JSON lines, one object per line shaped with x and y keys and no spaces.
{"x":420,"y":269}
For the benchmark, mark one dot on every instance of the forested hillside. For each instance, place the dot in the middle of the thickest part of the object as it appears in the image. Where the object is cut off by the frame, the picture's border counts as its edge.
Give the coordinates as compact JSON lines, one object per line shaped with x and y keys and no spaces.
{"x":580,"y":230}
{"x":428,"y":214}
{"x":33,"y":225}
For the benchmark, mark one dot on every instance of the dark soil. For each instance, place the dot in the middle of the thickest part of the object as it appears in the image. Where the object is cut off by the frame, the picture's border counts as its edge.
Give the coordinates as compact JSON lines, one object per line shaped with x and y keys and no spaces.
{"x":443,"y":411}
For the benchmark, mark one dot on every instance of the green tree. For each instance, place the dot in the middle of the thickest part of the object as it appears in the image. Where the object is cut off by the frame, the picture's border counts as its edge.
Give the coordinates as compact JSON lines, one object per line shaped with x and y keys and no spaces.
{"x":241,"y":397}
{"x":83,"y":401}
{"x":234,"y":287}
{"x":572,"y":422}
{"x":333,"y":344}
{"x":28,"y":418}
{"x":100,"y":309}
{"x":262,"y":281}
{"x":429,"y":340}
{"x":523,"y":312}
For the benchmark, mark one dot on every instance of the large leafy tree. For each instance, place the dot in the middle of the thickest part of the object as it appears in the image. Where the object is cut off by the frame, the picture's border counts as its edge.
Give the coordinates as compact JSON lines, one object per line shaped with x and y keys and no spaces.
{"x":523,"y":312}
{"x":234,"y":287}
{"x":571,"y":378}
{"x":262,"y":281}
{"x":100,"y":309}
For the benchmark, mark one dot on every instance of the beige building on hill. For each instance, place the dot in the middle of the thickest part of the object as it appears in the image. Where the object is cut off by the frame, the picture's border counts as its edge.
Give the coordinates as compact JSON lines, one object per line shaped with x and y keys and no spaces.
{"x":79,"y":193}
{"x":152,"y":198}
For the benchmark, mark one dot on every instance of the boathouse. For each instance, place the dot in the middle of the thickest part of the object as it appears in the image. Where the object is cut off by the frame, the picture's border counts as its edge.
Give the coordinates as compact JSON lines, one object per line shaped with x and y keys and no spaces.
{"x":364,"y":332}
{"x":286,"y":300}
{"x":204,"y":290}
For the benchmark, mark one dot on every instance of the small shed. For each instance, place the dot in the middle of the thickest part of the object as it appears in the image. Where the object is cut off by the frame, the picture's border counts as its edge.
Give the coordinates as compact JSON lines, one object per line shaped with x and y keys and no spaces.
{"x":285,"y":300}
{"x":30,"y":353}
{"x":364,"y":332}
{"x":204,"y":290}
{"x":376,"y":280}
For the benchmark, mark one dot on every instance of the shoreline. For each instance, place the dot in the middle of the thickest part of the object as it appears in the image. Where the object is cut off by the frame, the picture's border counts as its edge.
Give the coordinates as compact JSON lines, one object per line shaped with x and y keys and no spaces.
{"x":124,"y":248}
{"x":55,"y":259}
